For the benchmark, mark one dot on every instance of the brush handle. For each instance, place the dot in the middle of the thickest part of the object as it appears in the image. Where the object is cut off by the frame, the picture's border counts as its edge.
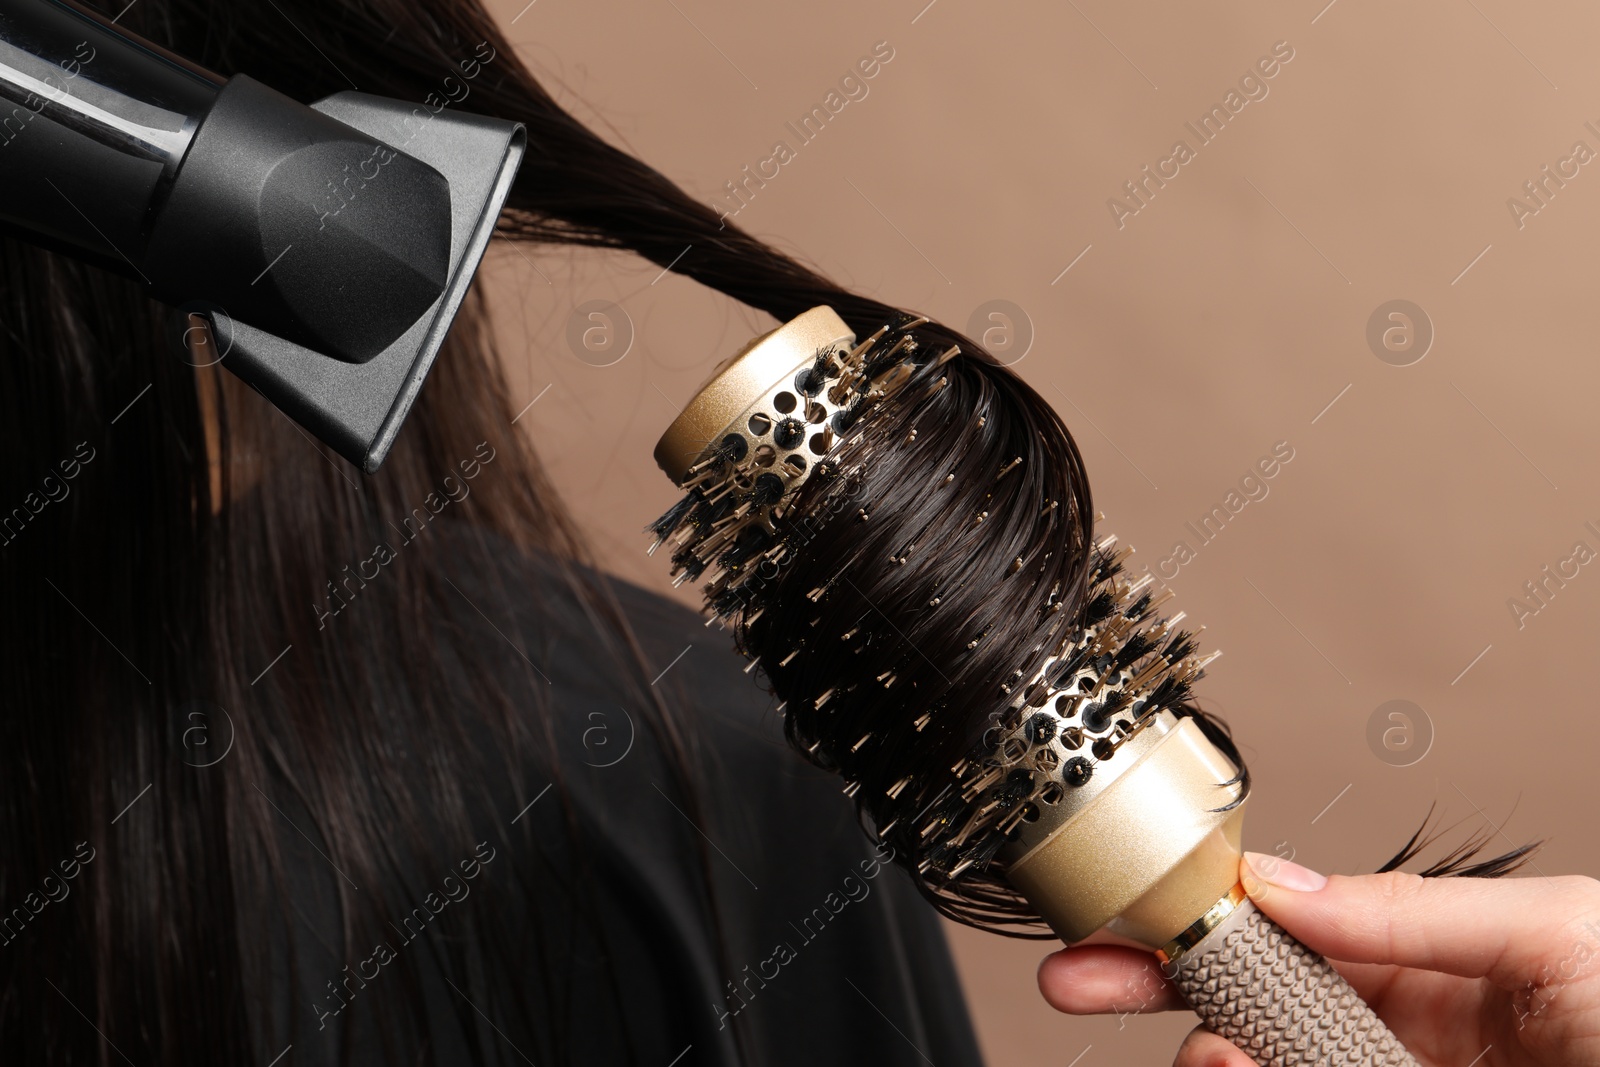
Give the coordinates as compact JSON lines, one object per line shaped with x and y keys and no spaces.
{"x":1252,"y":982}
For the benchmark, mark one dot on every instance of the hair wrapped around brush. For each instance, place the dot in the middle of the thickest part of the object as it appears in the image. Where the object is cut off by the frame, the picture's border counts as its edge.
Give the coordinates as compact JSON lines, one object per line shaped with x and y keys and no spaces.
{"x":935,"y":578}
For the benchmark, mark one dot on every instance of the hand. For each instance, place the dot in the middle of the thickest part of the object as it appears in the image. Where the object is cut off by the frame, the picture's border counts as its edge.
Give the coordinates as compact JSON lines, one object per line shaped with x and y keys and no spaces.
{"x":1487,"y":972}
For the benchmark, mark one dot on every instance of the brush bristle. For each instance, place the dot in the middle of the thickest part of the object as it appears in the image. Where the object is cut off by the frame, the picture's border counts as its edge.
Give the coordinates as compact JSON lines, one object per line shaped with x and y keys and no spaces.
{"x":726,"y":526}
{"x":1102,"y":684}
{"x":952,"y":779}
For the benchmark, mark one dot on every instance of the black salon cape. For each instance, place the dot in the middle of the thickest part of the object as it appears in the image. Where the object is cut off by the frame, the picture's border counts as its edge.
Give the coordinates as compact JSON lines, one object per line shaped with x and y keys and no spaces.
{"x":833,"y":956}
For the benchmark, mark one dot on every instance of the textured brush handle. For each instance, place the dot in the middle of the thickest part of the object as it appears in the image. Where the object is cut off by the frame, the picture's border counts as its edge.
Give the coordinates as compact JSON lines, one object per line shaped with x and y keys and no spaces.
{"x":1278,"y":1001}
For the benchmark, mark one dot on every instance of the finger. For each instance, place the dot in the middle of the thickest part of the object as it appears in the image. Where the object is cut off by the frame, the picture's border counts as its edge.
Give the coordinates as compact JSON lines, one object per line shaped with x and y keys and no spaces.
{"x":1106,"y":979}
{"x":1503,"y":930}
{"x":1202,"y":1048}
{"x":1098,"y":979}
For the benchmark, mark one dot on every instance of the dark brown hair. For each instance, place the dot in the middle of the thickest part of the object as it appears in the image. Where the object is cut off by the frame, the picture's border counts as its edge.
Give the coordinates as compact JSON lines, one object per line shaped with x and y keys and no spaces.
{"x":150,"y":584}
{"x":162,"y":576}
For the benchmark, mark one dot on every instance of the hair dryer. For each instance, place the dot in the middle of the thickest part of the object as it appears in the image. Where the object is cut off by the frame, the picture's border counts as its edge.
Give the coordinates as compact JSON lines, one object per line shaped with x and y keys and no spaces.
{"x":327,"y":246}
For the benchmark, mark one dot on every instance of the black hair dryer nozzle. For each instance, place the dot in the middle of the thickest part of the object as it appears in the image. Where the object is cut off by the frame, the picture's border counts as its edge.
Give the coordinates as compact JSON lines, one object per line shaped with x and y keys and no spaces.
{"x":329,"y":246}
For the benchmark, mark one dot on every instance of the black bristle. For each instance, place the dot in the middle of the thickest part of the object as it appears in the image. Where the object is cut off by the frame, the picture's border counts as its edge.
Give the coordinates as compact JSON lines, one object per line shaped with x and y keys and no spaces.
{"x":1096,"y":717}
{"x":941,"y":858}
{"x":984,"y":851}
{"x":751,"y":541}
{"x":1041,"y":728}
{"x":1099,"y":608}
{"x":810,"y":380}
{"x":709,"y":511}
{"x":1181,"y":645}
{"x":788,"y":433}
{"x":664,"y":526}
{"x":845,"y":418}
{"x":691,"y":565}
{"x":1017,"y":787}
{"x":767,"y":491}
{"x":729,"y":600}
{"x":1169,"y":693}
{"x":1077,"y":771}
{"x":1136,"y":646}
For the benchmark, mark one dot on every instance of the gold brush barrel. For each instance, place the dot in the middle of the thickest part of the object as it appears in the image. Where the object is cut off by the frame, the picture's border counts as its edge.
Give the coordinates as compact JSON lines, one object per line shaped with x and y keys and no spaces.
{"x":1158,"y":807}
{"x":1137,"y":826}
{"x":757,"y":382}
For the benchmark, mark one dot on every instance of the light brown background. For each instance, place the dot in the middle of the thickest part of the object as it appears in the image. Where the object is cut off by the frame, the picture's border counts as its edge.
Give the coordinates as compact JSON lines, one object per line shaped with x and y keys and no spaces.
{"x":1220,"y":320}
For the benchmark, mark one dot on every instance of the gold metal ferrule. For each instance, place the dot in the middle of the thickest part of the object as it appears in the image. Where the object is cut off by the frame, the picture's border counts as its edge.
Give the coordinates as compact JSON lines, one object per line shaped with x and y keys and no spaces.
{"x":1208,"y":922}
{"x":743,"y":381}
{"x":1154,"y":849}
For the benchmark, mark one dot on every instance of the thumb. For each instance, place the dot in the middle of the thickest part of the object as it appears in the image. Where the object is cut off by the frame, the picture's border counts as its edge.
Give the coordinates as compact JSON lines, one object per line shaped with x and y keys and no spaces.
{"x":1503,"y":930}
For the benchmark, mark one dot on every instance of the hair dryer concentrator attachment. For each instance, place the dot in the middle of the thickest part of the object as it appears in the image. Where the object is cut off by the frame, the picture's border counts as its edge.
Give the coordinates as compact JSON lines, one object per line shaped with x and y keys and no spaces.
{"x":1094,"y":791}
{"x":329,"y":246}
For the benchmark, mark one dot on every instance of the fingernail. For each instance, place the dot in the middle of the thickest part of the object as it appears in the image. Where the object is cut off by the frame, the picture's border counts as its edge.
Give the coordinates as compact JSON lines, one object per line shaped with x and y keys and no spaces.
{"x":1285,"y":874}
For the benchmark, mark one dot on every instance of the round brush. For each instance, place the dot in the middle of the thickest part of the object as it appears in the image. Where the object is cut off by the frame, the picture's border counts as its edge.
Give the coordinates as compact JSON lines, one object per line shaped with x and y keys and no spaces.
{"x":898,"y":533}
